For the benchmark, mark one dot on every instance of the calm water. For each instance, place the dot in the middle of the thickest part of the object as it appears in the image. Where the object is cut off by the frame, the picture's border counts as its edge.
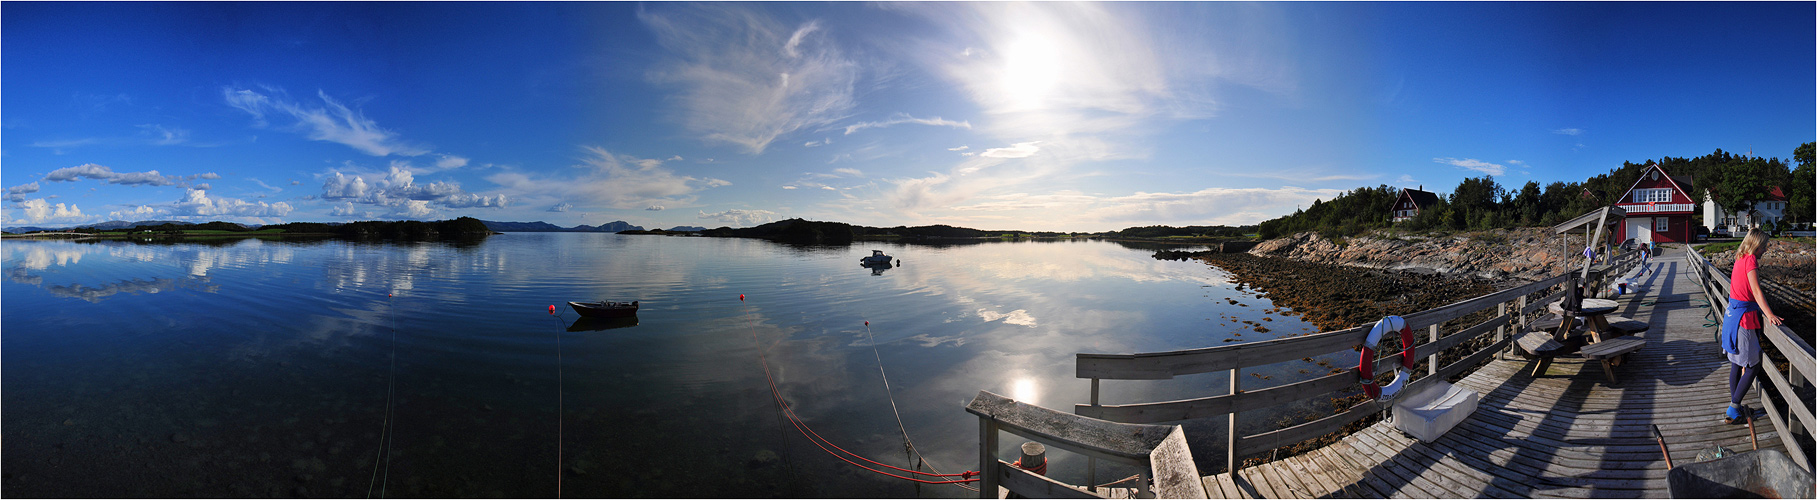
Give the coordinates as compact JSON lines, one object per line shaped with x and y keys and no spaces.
{"x":263,"y":368}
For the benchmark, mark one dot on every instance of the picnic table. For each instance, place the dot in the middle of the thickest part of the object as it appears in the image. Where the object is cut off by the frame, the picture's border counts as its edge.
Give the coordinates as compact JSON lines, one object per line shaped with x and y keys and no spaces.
{"x":1593,"y":311}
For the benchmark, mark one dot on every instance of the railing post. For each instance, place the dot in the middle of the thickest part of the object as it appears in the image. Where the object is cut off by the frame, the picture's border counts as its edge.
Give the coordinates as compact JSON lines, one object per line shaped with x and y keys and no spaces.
{"x":1091,"y":463}
{"x":987,"y":458}
{"x":1230,"y":451}
{"x":1432,"y":359}
{"x":1501,"y":332}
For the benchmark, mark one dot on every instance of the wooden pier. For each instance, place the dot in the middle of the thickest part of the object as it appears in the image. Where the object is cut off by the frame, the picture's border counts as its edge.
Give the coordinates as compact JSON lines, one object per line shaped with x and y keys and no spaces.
{"x":1566,"y":433}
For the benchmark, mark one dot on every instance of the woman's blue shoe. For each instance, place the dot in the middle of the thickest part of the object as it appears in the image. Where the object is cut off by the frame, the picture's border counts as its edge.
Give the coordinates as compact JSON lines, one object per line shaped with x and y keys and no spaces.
{"x":1732,"y":416}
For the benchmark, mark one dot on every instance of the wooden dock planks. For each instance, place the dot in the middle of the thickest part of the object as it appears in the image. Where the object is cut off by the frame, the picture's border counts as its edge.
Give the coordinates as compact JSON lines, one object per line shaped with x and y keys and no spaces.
{"x":1567,"y":433}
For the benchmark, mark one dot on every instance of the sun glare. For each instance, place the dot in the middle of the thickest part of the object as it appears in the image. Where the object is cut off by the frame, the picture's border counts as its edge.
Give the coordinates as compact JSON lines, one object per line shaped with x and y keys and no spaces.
{"x":1031,"y":71}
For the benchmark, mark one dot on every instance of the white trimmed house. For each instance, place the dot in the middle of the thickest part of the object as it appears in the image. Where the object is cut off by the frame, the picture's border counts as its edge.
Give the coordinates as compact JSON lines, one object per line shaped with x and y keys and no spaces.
{"x":1768,"y":211}
{"x":1659,"y":208}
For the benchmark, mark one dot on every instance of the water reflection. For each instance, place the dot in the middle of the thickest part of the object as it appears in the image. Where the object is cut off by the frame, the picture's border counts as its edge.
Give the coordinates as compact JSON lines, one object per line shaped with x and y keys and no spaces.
{"x":286,"y":352}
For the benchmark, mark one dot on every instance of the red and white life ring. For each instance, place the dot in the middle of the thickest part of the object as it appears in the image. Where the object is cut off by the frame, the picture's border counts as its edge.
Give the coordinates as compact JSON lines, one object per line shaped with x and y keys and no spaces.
{"x":1365,"y":366}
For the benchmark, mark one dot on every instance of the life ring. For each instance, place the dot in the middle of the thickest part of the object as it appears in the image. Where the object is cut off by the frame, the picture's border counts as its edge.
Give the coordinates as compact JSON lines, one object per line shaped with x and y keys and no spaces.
{"x":1365,"y":366}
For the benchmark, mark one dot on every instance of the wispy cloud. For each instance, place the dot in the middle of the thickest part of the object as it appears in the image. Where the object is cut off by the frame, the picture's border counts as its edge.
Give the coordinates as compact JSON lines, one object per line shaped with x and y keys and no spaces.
{"x":562,"y":207}
{"x":331,"y":122}
{"x":609,"y":180}
{"x":960,"y":148}
{"x":1474,"y":164}
{"x":741,"y":217}
{"x":746,"y":78}
{"x":1019,"y":150}
{"x":1569,"y":131}
{"x":902,"y":118}
{"x":446,"y":162}
{"x":849,"y":172}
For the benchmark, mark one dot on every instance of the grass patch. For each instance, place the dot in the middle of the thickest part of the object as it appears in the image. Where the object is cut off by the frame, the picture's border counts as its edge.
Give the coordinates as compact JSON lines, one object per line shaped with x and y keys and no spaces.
{"x":1716,"y":248}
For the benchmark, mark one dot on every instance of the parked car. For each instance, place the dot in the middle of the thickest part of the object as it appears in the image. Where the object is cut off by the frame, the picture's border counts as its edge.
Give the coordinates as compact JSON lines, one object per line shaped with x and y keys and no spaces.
{"x":1703,"y":233}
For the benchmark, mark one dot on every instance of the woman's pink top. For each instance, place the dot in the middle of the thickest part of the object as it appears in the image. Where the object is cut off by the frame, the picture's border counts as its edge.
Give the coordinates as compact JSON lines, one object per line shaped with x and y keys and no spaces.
{"x":1739,"y":289}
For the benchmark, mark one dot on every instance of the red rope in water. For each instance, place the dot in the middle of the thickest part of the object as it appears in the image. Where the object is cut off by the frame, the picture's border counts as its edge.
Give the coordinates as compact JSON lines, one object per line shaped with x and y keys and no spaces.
{"x":823,"y":443}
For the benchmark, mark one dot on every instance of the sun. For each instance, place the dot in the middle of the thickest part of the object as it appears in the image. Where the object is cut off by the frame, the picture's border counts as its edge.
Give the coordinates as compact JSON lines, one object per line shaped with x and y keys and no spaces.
{"x":1032,"y":66}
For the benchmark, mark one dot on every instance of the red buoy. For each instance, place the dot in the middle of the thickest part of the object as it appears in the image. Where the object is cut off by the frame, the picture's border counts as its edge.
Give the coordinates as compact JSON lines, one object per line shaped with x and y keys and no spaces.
{"x":551,"y":308}
{"x":741,"y":297}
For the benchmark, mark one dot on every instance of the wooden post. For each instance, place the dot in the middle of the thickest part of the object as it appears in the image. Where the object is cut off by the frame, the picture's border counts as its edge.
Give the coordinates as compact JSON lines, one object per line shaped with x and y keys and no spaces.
{"x":1432,"y":359}
{"x":1501,"y":332}
{"x":1230,"y":452}
{"x":1091,"y":463}
{"x":987,"y":458}
{"x":1034,"y":458}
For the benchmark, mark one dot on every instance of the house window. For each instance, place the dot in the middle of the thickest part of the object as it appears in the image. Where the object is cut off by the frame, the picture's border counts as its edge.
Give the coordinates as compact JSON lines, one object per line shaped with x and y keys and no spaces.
{"x":1662,"y":224}
{"x":1662,"y":195}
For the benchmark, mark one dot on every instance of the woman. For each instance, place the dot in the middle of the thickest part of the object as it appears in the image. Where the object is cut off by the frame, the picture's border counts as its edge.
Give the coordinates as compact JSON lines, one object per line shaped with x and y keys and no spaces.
{"x":1741,"y":325}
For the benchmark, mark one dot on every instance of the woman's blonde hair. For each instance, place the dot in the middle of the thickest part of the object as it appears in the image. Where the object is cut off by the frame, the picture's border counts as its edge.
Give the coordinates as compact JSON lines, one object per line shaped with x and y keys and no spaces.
{"x":1753,"y":244}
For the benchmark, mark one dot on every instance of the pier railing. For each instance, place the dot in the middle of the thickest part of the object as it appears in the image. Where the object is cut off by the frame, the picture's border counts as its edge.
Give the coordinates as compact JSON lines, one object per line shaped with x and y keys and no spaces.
{"x":1786,"y":396}
{"x":1159,"y":450}
{"x":1513,"y":309}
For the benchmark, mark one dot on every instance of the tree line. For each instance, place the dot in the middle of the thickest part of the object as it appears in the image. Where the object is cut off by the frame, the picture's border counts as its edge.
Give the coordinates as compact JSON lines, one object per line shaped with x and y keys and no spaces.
{"x":1736,"y":181}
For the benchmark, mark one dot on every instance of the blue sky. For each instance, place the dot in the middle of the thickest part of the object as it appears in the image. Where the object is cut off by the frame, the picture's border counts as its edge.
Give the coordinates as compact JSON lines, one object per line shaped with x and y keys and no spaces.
{"x":1045,"y":116}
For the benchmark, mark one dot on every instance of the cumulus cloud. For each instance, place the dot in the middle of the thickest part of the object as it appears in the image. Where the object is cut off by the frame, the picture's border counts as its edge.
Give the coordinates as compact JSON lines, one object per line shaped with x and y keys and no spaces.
{"x":1019,"y":150}
{"x":38,"y":211}
{"x":902,"y":118}
{"x":562,"y":207}
{"x":331,"y":122}
{"x":1474,"y":164}
{"x":136,"y":213}
{"x":654,"y":208}
{"x":108,"y":175}
{"x":745,"y":78}
{"x":741,"y":217}
{"x":197,"y":203}
{"x":399,"y":192}
{"x":17,"y":193}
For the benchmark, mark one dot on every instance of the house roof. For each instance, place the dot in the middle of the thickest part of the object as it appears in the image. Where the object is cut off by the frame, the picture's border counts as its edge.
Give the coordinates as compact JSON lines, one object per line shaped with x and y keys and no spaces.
{"x":1681,"y":182}
{"x":1773,"y":194}
{"x":1421,"y":199}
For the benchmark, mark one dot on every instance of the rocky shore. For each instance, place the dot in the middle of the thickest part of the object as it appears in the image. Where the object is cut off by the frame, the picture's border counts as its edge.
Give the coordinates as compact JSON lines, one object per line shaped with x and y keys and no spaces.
{"x":1335,"y":297}
{"x":1524,"y":254}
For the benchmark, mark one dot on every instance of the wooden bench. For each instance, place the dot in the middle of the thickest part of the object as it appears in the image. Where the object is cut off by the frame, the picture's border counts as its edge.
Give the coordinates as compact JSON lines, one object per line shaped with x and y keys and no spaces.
{"x":1610,"y":351}
{"x":1542,"y":346}
{"x":1159,"y":450}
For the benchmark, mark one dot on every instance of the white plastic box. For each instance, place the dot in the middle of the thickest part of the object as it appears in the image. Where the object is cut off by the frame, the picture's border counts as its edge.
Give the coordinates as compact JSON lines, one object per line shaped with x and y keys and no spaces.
{"x":1434,"y":411}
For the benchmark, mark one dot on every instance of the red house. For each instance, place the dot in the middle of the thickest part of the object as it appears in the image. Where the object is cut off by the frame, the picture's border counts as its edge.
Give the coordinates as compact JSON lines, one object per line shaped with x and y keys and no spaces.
{"x":1411,"y":202}
{"x":1659,"y":208}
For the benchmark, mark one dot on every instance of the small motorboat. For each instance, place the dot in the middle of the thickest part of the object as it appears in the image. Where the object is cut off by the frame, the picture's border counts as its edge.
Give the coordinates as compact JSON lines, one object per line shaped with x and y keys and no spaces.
{"x":605,"y":309}
{"x":877,"y":257}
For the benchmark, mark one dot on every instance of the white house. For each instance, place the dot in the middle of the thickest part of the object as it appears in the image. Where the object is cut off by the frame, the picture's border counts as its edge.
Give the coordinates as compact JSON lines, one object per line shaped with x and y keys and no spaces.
{"x":1768,"y":211}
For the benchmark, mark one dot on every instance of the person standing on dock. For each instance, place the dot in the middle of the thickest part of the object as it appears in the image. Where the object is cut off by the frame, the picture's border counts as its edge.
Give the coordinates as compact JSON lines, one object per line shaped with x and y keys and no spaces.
{"x":1740,"y":337}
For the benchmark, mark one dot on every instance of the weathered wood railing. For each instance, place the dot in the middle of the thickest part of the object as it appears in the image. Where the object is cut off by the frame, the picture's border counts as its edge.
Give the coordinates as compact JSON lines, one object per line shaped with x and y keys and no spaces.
{"x":1511,"y":306}
{"x":1160,"y":450}
{"x":1794,"y":422}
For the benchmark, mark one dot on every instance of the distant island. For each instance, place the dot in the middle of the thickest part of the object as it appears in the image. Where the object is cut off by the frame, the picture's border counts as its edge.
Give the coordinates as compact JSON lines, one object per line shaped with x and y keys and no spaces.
{"x":544,"y":227}
{"x":461,"y":229}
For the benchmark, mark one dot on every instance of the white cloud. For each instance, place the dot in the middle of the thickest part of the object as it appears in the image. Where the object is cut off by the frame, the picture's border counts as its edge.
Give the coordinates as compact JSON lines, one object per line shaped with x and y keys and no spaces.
{"x":1020,"y":150}
{"x":1569,"y":131}
{"x":333,"y":122}
{"x":446,"y":162}
{"x":901,"y":118}
{"x":38,"y":211}
{"x":16,"y":194}
{"x":1474,"y":164}
{"x":850,"y":172}
{"x":140,"y":212}
{"x":607,"y":179}
{"x":561,"y":207}
{"x":654,"y":208}
{"x":822,"y":142}
{"x":165,"y":136}
{"x":741,"y":217}
{"x":1406,"y":179}
{"x":960,"y":148}
{"x":108,"y":175}
{"x":399,"y":192}
{"x":197,"y":203}
{"x":745,"y":78}
{"x":788,"y":187}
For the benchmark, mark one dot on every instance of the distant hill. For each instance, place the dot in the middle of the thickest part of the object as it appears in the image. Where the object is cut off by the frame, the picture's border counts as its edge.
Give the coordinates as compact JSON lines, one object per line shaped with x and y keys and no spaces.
{"x":540,"y":226}
{"x":684,"y":229}
{"x":104,"y":226}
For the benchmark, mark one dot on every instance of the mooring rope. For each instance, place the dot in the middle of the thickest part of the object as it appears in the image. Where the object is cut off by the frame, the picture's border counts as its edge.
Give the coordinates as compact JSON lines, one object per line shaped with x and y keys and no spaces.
{"x":892,"y":396}
{"x":386,"y":436}
{"x":560,"y":322}
{"x":823,"y":443}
